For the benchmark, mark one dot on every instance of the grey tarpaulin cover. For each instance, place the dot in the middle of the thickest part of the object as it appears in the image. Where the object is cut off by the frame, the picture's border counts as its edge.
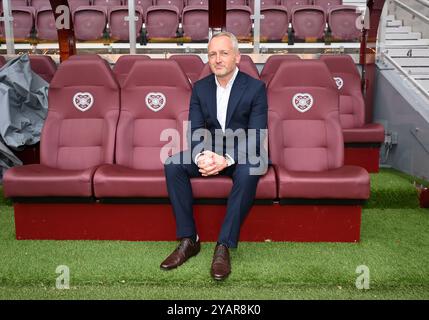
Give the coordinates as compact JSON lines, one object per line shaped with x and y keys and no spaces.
{"x":23,"y":108}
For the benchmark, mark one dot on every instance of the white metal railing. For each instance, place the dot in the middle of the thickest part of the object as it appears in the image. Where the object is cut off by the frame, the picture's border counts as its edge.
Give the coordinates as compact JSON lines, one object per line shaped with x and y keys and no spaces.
{"x":411,"y":10}
{"x":419,"y":87}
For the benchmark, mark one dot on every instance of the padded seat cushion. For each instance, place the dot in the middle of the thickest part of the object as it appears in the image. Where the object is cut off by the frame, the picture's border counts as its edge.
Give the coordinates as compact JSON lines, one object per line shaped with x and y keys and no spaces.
{"x":37,"y":180}
{"x":347,"y":182}
{"x":115,"y":181}
{"x":371,"y":132}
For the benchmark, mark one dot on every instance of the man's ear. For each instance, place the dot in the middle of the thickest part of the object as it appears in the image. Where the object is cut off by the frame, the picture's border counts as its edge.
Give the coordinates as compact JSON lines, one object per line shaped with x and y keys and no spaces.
{"x":237,"y":58}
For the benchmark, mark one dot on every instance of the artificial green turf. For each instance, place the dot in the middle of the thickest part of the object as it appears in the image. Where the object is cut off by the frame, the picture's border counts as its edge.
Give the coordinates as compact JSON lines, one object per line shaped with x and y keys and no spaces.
{"x":394,"y":245}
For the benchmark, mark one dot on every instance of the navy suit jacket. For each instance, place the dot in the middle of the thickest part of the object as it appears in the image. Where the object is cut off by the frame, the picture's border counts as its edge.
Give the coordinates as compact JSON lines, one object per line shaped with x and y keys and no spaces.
{"x":247,"y":109}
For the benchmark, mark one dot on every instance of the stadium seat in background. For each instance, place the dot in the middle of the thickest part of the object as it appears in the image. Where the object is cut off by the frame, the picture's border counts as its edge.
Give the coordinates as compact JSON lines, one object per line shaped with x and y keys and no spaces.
{"x":119,"y":27}
{"x":74,"y":4}
{"x":264,"y":3}
{"x":327,"y":4}
{"x":362,"y":140}
{"x":44,"y":66}
{"x":236,"y":3}
{"x":191,"y":64}
{"x":89,"y":22}
{"x":238,"y":21}
{"x":2,"y":61}
{"x":78,"y":134}
{"x":107,"y":3}
{"x":154,"y":97}
{"x":291,"y":4}
{"x":308,"y":23}
{"x":162,"y":22}
{"x":306,"y":142}
{"x":342,"y":21}
{"x":38,"y":4}
{"x":141,"y":4}
{"x":246,"y":65}
{"x":23,"y":22}
{"x":195,"y":22}
{"x":124,"y":64}
{"x":45,"y":24}
{"x":274,"y":26}
{"x":197,"y":3}
{"x":177,"y":3}
{"x":17,"y":3}
{"x":272,"y":65}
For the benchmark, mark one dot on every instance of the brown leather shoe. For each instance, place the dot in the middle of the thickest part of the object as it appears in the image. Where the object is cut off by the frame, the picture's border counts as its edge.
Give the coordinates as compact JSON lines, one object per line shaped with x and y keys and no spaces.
{"x":221,"y":265}
{"x":186,"y":249}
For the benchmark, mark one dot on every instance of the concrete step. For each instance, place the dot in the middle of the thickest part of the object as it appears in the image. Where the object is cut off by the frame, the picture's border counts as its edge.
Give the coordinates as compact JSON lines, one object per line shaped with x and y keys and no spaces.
{"x":403,"y":36}
{"x":403,"y":52}
{"x":402,"y":29}
{"x":412,"y":62}
{"x":395,"y":23}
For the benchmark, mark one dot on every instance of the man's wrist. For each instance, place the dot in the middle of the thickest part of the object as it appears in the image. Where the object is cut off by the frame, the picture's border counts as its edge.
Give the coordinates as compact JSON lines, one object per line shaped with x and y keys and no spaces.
{"x":229,"y":160}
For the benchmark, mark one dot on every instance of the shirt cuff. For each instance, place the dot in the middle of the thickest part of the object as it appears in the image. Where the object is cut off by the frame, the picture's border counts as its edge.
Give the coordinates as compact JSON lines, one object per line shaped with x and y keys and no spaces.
{"x":196,"y":157}
{"x":229,"y":160}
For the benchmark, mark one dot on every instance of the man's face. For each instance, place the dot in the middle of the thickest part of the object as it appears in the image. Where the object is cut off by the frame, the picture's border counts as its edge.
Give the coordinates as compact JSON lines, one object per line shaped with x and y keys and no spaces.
{"x":222,"y":56}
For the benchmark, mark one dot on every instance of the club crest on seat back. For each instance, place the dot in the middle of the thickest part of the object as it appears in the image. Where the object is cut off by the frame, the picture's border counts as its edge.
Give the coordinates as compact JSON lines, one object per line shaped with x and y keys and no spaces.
{"x":302,"y":101}
{"x":155,"y":101}
{"x":339,"y":82}
{"x":83,"y":101}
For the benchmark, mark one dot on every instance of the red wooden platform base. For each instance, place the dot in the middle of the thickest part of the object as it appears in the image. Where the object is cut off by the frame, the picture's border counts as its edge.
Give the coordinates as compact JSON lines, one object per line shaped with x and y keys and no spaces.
{"x":367,"y":158}
{"x":155,"y":222}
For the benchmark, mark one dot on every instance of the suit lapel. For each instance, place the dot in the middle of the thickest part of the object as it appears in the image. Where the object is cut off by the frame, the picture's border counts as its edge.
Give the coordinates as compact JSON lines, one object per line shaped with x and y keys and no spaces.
{"x":237,"y":90}
{"x":212,"y":103}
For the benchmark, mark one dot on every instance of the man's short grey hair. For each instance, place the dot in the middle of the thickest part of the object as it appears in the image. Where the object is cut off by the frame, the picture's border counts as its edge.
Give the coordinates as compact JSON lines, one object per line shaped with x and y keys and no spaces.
{"x":230,"y":36}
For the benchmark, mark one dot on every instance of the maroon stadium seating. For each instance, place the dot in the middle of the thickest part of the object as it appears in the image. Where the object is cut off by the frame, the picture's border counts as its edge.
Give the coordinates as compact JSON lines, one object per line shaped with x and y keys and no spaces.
{"x":141,"y":4}
{"x":342,"y":22}
{"x":119,"y":27}
{"x":124,"y":65}
{"x":291,"y":4}
{"x":238,"y":21}
{"x":272,"y":65}
{"x":2,"y":61}
{"x":362,"y":140}
{"x":138,"y":171}
{"x":275,"y":24}
{"x":195,"y":21}
{"x":306,"y":141}
{"x":107,"y":3}
{"x":44,"y":66}
{"x":327,"y":4}
{"x":177,"y":3}
{"x":89,"y":22}
{"x":45,"y":24}
{"x":78,"y":135}
{"x":74,"y":4}
{"x":197,"y":3}
{"x":38,"y":4}
{"x":162,"y":21}
{"x":192,"y":65}
{"x":22,"y":24}
{"x":308,"y":22}
{"x":246,"y":65}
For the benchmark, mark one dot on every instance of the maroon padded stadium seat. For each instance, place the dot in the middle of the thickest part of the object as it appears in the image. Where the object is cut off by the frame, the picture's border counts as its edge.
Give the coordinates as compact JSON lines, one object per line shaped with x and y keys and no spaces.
{"x":191,"y":64}
{"x":197,"y":3}
{"x":89,"y":22}
{"x":2,"y":61}
{"x":195,"y":21}
{"x":45,"y":24}
{"x":78,"y":134}
{"x":44,"y":66}
{"x":264,"y":3}
{"x":275,"y":24}
{"x":291,"y":4}
{"x":107,"y":3}
{"x":272,"y":65}
{"x":38,"y":4}
{"x":246,"y":65}
{"x":306,"y":142}
{"x":141,"y":4}
{"x":154,"y":97}
{"x":23,"y":21}
{"x":124,"y":65}
{"x":308,"y":22}
{"x":327,"y":4}
{"x":238,"y":21}
{"x":119,"y":27}
{"x":352,"y":105}
{"x":17,"y":3}
{"x":162,"y":22}
{"x":177,"y":3}
{"x":74,"y":4}
{"x":236,"y":2}
{"x":342,"y":22}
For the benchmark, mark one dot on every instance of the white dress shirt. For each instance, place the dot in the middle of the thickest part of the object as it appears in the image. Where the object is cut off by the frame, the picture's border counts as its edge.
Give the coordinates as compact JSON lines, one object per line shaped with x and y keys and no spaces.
{"x":222,"y":98}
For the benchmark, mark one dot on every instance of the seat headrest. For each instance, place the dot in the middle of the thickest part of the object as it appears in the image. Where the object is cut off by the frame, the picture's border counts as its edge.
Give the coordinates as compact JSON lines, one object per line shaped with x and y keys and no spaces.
{"x":157,"y":72}
{"x":340,"y":64}
{"x":84,"y":72}
{"x":302,"y":73}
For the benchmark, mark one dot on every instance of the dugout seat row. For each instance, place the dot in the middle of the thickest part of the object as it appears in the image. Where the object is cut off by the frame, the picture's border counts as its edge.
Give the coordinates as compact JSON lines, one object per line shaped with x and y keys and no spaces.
{"x":101,"y":140}
{"x":106,"y":18}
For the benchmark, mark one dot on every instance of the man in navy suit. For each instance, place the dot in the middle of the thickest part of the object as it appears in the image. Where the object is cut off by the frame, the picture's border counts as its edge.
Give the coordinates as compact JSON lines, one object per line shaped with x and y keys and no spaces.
{"x":228,"y":106}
